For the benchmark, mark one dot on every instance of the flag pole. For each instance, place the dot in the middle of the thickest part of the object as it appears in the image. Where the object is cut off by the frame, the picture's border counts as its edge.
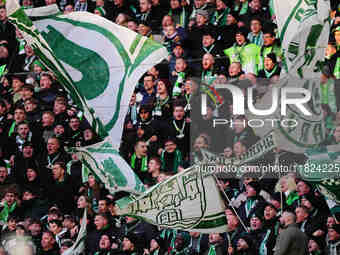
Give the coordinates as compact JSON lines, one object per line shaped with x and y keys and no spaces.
{"x":229,"y":202}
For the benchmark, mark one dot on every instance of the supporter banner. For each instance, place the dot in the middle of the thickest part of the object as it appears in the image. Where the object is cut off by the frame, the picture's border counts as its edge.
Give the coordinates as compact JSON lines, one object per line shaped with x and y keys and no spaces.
{"x":265,"y":145}
{"x":189,"y":201}
{"x":75,"y":47}
{"x":105,"y":162}
{"x":304,"y":32}
{"x":79,"y":245}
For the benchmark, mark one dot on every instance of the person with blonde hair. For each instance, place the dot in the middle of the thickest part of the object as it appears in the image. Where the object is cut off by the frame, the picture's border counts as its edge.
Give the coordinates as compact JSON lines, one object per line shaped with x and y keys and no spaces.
{"x":287,"y":185}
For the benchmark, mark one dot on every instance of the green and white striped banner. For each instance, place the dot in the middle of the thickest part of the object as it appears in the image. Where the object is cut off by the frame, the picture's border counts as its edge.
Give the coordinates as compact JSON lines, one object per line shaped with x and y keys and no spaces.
{"x":189,"y":201}
{"x":97,"y":61}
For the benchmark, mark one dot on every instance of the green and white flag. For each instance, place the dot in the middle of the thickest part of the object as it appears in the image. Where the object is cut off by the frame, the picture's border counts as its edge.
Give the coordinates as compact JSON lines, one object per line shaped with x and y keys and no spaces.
{"x":79,"y":245}
{"x":304,"y":31}
{"x":189,"y":200}
{"x":295,"y":131}
{"x":104,"y":161}
{"x":97,"y":61}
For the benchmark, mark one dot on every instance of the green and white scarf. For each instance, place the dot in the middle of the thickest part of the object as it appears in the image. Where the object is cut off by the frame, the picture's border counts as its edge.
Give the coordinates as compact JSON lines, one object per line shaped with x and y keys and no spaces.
{"x":144,"y":166}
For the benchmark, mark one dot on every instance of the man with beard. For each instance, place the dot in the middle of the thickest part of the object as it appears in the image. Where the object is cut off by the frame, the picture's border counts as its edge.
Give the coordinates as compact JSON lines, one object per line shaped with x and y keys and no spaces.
{"x":291,"y":239}
{"x":248,"y":54}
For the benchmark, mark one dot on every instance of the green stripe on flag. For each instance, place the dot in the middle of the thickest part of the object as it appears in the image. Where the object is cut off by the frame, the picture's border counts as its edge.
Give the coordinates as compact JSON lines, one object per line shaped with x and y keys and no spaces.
{"x":291,"y":15}
{"x":135,"y":43}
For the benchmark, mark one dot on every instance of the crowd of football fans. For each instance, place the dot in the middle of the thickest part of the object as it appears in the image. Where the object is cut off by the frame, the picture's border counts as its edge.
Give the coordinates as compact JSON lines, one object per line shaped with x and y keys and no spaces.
{"x":43,"y":188}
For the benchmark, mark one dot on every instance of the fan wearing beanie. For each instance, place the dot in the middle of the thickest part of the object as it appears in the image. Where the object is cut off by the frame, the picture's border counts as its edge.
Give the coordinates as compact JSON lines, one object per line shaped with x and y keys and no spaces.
{"x":254,"y":202}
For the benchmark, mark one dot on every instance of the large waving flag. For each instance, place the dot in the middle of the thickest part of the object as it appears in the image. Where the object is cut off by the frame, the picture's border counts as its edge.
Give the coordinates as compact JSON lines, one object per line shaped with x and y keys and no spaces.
{"x":104,"y":161}
{"x":304,"y":31}
{"x":189,"y":201}
{"x":97,"y":61}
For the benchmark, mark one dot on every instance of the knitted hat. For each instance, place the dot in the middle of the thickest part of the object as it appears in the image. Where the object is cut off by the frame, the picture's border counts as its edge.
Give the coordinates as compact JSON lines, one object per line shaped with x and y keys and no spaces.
{"x":204,"y":13}
{"x":256,"y":186}
{"x":38,"y":63}
{"x":101,"y":11}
